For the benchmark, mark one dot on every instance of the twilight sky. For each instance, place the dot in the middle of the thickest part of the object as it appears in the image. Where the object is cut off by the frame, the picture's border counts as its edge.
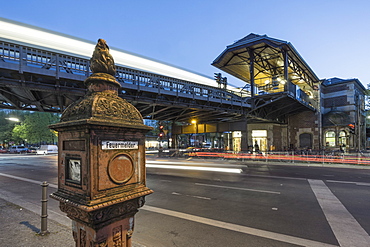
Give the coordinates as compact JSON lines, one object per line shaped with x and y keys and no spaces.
{"x":332,"y":36}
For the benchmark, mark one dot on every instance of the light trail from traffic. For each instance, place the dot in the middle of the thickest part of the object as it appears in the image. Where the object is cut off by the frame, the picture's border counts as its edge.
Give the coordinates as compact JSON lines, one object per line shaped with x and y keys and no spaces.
{"x":196,"y":168}
{"x":320,"y":158}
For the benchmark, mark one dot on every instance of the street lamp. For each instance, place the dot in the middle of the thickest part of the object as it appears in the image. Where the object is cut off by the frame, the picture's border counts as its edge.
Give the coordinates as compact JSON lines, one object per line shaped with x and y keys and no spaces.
{"x":13,"y":119}
{"x":196,"y":130}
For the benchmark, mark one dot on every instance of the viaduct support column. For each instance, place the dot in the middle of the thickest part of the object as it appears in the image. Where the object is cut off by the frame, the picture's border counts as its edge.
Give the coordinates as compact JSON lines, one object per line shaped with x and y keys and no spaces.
{"x":244,"y":144}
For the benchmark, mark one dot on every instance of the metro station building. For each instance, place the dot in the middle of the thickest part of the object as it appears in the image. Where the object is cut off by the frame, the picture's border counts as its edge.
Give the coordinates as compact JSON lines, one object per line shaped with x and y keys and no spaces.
{"x":283,"y":105}
{"x":290,"y":107}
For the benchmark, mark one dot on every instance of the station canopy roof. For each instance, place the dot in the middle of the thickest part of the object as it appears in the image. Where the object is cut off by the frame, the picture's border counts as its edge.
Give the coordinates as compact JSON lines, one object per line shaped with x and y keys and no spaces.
{"x":268,"y":59}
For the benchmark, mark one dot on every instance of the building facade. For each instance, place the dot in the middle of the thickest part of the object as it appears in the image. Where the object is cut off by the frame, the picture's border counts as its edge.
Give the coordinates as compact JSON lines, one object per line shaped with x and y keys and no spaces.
{"x":291,"y":108}
{"x":343,"y":114}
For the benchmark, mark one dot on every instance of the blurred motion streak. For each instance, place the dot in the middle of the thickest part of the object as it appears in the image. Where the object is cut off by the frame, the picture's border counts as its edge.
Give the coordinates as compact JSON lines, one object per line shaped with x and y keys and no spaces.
{"x":358,"y":159}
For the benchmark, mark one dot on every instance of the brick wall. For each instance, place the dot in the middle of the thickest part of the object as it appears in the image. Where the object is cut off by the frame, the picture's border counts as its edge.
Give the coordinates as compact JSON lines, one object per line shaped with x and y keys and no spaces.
{"x":304,"y":122}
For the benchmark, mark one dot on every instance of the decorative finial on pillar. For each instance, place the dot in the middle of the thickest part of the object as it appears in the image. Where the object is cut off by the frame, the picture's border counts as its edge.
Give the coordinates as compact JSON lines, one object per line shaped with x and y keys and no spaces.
{"x":103,"y":68}
{"x":101,"y":60}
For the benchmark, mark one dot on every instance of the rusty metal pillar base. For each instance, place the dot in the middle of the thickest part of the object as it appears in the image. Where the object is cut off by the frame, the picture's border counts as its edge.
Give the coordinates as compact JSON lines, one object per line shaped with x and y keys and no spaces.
{"x":104,"y":225}
{"x":115,"y":234}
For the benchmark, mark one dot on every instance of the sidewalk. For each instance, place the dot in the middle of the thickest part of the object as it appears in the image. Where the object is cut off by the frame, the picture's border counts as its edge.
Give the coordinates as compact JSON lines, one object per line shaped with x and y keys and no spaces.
{"x":20,"y":228}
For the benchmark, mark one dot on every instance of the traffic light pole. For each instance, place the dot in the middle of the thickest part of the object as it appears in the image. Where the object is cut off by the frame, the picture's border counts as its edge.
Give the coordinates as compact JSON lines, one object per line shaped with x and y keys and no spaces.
{"x":160,"y":137}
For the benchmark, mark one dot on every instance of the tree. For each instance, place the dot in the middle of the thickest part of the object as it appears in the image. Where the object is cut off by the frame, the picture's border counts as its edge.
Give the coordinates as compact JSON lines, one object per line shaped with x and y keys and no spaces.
{"x":6,"y":125}
{"x":35,"y":129}
{"x":19,"y":133}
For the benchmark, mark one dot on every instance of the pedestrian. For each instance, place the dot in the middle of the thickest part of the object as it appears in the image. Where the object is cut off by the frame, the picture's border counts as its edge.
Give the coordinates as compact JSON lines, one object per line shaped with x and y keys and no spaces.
{"x":256,"y":147}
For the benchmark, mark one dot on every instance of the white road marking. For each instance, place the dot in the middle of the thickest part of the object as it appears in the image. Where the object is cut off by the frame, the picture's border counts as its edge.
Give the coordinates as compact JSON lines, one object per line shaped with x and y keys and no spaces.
{"x":345,"y":227}
{"x":238,"y":228}
{"x":166,"y":181}
{"x":347,"y":182}
{"x":27,"y":180}
{"x":363,"y":184}
{"x":277,"y":177}
{"x":342,"y":182}
{"x":238,"y":188}
{"x":199,"y":197}
{"x":28,"y":156}
{"x":202,"y":197}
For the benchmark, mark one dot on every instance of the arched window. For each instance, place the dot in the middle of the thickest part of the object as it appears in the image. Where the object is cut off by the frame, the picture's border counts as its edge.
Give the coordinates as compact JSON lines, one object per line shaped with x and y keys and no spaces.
{"x":343,"y":138}
{"x":305,"y":140}
{"x":330,"y":139}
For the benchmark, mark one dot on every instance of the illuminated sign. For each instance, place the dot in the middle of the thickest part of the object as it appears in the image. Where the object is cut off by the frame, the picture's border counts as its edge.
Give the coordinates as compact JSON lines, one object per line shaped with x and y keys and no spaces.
{"x":259,"y":133}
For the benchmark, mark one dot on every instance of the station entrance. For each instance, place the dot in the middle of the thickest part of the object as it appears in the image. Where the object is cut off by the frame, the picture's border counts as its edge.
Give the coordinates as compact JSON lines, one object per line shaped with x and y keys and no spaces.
{"x":259,"y":140}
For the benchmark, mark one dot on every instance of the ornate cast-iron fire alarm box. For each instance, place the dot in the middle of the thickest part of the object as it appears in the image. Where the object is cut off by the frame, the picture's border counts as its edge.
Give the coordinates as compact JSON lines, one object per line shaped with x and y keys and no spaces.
{"x":101,"y":163}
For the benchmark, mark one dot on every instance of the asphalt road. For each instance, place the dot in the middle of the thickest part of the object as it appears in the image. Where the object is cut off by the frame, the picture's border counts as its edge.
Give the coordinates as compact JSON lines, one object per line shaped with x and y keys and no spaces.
{"x":252,"y":204}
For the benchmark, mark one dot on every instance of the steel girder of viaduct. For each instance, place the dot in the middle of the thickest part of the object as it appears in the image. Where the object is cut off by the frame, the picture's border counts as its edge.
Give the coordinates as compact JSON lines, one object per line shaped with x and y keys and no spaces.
{"x":41,"y":80}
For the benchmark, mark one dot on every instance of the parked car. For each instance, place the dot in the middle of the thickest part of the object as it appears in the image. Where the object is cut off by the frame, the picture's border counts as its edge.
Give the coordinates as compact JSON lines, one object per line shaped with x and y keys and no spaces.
{"x":47,"y":149}
{"x":3,"y":150}
{"x":32,"y":150}
{"x":207,"y":146}
{"x":17,"y":149}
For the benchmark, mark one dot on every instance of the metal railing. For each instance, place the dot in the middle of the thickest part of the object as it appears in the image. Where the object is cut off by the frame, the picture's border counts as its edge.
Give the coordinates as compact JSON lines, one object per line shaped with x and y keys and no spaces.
{"x":50,"y":63}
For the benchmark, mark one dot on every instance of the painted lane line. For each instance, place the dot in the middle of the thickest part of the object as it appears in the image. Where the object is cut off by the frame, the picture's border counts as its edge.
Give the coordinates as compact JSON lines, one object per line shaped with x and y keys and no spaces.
{"x":198,"y":197}
{"x":197,"y":168}
{"x":238,"y":228}
{"x":17,"y":156}
{"x":342,"y":182}
{"x":344,"y":226}
{"x":237,"y":188}
{"x":27,"y":180}
{"x":202,"y":197}
{"x":363,"y":184}
{"x":348,"y":182}
{"x":275,"y":177}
